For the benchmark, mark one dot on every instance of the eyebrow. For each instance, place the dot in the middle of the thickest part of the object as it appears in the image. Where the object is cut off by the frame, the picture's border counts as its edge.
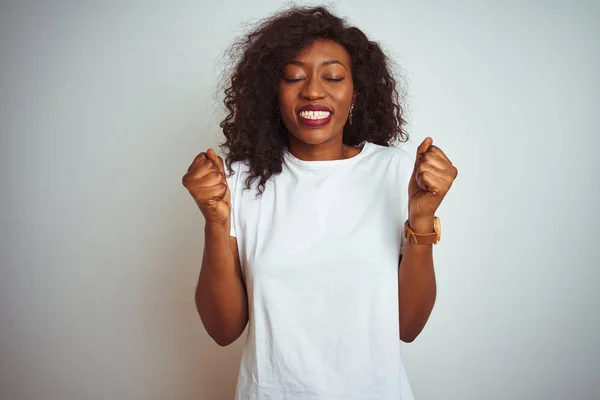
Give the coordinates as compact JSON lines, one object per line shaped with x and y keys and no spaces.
{"x":327,"y":62}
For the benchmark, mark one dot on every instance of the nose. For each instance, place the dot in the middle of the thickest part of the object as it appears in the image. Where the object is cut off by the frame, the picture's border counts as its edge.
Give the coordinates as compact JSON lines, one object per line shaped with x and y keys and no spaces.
{"x":313,"y":89}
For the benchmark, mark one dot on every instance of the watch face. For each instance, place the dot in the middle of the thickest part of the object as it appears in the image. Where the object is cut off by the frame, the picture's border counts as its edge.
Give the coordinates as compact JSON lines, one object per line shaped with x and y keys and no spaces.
{"x":437,"y":227}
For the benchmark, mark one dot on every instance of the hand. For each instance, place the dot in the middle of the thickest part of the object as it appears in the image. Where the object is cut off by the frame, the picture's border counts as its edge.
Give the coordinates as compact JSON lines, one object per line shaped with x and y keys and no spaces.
{"x":205,"y":180}
{"x":430,"y":181}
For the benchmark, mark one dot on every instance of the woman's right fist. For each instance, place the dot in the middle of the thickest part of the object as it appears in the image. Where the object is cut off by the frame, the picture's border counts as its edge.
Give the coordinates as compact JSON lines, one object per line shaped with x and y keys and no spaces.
{"x":205,"y":180}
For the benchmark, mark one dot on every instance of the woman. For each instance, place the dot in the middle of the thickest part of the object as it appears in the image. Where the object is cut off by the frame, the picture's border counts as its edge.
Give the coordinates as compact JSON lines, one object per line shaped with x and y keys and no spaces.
{"x":318,"y":232}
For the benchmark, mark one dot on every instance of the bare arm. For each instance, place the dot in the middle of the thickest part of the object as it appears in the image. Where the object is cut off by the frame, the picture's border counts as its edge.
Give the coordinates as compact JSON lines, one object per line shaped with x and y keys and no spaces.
{"x":221,"y":297}
{"x":416,"y":285}
{"x":432,"y":177}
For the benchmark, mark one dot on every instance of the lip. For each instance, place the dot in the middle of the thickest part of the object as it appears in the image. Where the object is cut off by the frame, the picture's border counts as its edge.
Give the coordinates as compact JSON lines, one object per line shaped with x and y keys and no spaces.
{"x":315,"y":123}
{"x":314,"y":107}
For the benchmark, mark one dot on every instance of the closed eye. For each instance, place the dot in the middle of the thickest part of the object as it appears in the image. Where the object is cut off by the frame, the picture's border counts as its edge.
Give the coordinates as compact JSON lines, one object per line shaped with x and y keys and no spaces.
{"x":292,"y":80}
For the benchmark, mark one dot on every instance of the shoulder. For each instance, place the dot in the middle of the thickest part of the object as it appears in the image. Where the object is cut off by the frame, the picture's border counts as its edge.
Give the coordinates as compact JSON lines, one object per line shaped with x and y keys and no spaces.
{"x":237,"y":168}
{"x":393,"y":165}
{"x":235,"y":173}
{"x":237,"y":177}
{"x":393,"y":154}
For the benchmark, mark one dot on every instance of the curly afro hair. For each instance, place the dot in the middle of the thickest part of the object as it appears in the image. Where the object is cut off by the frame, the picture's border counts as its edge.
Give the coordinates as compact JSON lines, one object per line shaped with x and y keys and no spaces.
{"x":254,"y":132}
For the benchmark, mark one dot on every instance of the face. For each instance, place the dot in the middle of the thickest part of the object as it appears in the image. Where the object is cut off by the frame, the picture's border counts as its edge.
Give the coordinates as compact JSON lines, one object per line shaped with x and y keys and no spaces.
{"x":315,"y":93}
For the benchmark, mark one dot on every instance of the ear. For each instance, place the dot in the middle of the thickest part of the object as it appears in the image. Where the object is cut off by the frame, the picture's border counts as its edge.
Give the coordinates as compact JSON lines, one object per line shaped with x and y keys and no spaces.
{"x":354,"y":95}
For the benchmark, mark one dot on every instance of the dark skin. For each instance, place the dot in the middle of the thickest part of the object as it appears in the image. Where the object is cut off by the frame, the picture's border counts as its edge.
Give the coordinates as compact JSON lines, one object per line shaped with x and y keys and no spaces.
{"x":321,"y":74}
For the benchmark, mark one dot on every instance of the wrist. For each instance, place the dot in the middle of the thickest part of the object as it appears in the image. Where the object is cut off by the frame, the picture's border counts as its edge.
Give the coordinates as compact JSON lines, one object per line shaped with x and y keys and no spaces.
{"x":217,"y":228}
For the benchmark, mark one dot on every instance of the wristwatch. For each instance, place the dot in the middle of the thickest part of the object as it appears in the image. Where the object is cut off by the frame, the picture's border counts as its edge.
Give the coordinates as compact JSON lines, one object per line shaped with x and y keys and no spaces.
{"x":423,"y":238}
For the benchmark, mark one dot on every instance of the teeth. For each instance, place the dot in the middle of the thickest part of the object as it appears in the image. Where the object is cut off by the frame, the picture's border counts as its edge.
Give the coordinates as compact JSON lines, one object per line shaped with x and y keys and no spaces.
{"x":314,"y":114}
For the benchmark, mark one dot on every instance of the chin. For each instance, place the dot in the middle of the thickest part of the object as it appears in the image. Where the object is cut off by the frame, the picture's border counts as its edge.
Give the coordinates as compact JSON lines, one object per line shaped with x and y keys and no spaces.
{"x":314,"y":136}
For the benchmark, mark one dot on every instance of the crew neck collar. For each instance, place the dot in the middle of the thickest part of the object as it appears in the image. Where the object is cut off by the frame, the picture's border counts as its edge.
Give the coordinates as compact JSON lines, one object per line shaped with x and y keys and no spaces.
{"x":366,"y":147}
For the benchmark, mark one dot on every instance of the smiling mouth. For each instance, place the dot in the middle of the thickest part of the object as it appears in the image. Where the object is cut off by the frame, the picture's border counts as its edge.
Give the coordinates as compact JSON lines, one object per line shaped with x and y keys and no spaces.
{"x":315,"y":118}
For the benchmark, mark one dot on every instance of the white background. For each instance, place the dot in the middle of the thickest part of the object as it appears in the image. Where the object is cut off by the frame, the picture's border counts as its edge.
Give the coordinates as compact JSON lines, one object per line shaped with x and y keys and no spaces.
{"x":104,"y":105}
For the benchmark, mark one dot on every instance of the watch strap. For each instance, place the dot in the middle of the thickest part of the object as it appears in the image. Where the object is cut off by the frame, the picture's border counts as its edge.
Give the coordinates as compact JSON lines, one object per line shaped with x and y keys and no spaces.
{"x":423,"y":238}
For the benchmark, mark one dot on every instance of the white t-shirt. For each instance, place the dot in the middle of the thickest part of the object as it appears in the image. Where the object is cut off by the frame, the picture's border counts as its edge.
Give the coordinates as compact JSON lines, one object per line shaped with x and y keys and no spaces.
{"x":319,"y":252}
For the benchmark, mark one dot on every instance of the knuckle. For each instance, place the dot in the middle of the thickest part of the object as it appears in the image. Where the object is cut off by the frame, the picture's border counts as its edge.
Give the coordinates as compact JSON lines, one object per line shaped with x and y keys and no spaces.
{"x":202,"y":170}
{"x":185,"y":180}
{"x":213,"y":176}
{"x":199,"y":157}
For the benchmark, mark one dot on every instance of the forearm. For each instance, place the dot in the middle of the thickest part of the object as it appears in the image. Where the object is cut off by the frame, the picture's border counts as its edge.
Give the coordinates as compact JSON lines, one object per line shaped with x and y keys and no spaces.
{"x":416,"y":284}
{"x":220,"y":295}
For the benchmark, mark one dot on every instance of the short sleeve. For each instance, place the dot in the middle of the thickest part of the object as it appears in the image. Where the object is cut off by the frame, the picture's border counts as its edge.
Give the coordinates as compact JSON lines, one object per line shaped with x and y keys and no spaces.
{"x":406,"y":166}
{"x":232,"y":181}
{"x":402,"y":220}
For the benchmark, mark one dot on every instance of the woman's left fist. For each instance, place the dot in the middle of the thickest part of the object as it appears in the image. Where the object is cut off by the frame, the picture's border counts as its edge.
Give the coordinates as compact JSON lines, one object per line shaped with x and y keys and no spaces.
{"x":431,"y":180}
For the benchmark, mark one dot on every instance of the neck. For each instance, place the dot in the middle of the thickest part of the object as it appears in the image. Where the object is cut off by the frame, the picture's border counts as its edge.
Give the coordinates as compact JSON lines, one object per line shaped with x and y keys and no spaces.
{"x":333,"y":149}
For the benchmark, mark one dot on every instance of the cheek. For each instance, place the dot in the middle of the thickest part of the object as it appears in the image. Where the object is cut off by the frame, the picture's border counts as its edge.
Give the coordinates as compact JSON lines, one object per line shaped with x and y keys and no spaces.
{"x":285,"y":103}
{"x":344,"y":96}
{"x":286,"y":110}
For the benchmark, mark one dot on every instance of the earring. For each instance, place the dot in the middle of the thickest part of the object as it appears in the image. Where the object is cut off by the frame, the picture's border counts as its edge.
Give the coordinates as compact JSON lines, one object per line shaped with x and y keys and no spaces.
{"x":350,"y":115}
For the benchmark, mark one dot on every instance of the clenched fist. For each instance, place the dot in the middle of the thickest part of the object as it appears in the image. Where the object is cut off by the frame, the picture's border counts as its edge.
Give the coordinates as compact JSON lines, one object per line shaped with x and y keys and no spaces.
{"x":205,"y":180}
{"x":431,"y":180}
